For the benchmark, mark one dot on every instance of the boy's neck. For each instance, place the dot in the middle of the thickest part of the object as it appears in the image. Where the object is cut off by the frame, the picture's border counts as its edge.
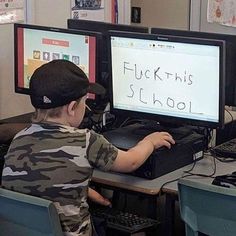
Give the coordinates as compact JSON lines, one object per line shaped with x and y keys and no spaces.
{"x":59,"y":120}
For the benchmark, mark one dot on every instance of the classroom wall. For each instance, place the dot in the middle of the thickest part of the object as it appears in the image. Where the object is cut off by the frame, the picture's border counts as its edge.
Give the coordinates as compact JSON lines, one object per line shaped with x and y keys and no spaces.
{"x":10,"y":102}
{"x":48,"y":13}
{"x":51,"y":12}
{"x":172,"y":14}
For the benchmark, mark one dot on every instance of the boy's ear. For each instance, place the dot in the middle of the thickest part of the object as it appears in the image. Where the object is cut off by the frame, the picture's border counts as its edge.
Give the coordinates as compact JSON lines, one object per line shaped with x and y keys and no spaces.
{"x":71,"y":108}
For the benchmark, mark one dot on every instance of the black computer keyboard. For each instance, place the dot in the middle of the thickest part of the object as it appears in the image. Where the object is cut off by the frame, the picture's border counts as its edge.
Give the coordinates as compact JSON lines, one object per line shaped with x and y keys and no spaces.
{"x":123,"y":221}
{"x":227,"y":149}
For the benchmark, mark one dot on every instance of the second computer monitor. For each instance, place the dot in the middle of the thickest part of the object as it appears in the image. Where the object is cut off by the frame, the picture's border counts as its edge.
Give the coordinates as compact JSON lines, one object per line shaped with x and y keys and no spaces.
{"x":37,"y":45}
{"x":168,"y":79}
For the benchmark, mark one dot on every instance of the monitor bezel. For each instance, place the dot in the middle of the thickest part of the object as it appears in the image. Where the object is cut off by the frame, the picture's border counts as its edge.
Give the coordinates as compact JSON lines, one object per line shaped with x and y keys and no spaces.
{"x":103,"y":27}
{"x":57,"y":30}
{"x":169,"y":120}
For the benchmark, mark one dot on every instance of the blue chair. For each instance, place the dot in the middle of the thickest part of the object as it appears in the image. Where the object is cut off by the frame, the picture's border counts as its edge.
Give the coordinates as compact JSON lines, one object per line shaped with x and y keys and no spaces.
{"x":24,"y":215}
{"x":207,"y":208}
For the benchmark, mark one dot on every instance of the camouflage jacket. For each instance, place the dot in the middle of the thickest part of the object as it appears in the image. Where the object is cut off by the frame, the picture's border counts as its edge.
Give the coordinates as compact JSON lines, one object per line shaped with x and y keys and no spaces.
{"x":55,"y":162}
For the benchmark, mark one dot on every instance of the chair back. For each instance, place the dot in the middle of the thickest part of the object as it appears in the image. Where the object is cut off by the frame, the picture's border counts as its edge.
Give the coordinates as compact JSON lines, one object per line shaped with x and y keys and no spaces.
{"x":207,"y":209}
{"x":24,"y":215}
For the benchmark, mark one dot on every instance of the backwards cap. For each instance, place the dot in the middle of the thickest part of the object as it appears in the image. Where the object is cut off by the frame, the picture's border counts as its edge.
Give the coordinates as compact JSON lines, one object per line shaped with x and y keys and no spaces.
{"x":59,"y":82}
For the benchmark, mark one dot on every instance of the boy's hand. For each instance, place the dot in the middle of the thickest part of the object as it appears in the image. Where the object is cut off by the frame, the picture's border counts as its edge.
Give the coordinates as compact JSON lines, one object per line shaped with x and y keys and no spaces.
{"x":159,"y":139}
{"x":98,"y":198}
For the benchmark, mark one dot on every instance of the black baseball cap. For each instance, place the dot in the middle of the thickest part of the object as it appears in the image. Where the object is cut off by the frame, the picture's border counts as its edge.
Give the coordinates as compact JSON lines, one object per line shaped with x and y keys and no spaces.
{"x":59,"y":82}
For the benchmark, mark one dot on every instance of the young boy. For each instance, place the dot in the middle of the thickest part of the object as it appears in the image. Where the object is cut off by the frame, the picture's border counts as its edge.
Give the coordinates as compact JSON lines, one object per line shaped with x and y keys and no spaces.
{"x":53,"y":159}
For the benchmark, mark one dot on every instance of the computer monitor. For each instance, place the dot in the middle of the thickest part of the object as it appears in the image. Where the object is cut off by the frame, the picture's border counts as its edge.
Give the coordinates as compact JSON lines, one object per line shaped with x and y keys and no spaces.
{"x":103,"y":28}
{"x":36,"y":45}
{"x":230,"y":40}
{"x":175,"y":80}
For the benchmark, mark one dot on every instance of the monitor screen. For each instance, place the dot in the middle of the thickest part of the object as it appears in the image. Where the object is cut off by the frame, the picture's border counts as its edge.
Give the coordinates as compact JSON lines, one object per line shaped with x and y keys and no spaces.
{"x":36,"y":45}
{"x":230,"y":70}
{"x":168,"y":79}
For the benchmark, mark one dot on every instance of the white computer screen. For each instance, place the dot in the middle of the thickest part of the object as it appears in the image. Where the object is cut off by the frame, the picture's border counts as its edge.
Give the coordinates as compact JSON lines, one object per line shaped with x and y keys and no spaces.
{"x":174,"y":79}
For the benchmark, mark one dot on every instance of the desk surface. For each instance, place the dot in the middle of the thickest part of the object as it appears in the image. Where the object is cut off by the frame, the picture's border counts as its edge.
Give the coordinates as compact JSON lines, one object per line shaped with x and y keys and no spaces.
{"x":152,"y":187}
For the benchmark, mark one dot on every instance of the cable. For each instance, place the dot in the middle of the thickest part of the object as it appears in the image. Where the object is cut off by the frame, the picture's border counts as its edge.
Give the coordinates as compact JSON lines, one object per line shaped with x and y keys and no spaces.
{"x":129,"y":121}
{"x":202,"y":175}
{"x":232,"y":118}
{"x":189,"y":173}
{"x":170,"y":181}
{"x":232,"y":122}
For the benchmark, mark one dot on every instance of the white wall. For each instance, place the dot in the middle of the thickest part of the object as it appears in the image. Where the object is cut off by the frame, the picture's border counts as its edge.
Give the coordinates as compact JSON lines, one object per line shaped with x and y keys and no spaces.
{"x":172,"y":14}
{"x":10,"y":102}
{"x":50,"y":12}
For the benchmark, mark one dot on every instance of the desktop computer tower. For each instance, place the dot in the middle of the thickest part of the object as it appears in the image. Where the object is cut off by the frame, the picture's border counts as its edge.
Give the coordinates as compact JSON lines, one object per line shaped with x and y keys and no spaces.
{"x":165,"y":160}
{"x":189,"y":148}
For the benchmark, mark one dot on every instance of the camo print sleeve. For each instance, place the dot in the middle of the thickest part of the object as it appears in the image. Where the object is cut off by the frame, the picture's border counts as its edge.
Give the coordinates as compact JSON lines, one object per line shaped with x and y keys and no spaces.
{"x":100,"y":152}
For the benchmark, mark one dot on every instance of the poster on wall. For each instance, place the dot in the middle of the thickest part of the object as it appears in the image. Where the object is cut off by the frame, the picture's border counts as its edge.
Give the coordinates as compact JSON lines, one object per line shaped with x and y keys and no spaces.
{"x":88,"y":9}
{"x":222,"y":12}
{"x":12,"y":11}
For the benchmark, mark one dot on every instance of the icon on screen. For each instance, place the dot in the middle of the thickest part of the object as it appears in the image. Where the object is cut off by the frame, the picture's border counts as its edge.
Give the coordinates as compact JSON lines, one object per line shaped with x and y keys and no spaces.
{"x":55,"y":56}
{"x":66,"y":57}
{"x":75,"y":59}
{"x":46,"y":56}
{"x":36,"y":54}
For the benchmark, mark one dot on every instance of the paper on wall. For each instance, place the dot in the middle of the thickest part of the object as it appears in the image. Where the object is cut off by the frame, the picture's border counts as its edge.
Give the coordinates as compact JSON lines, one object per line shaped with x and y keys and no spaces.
{"x":11,"y":11}
{"x":222,"y":12}
{"x":88,"y":10}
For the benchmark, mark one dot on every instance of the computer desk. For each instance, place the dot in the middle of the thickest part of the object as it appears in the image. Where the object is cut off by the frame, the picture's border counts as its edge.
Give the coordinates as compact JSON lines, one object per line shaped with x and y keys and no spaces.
{"x":151,"y":188}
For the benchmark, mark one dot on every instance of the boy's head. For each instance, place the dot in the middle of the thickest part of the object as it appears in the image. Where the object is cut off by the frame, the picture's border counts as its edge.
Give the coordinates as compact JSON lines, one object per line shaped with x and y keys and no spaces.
{"x":59,"y":82}
{"x":59,"y":88}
